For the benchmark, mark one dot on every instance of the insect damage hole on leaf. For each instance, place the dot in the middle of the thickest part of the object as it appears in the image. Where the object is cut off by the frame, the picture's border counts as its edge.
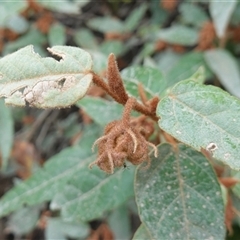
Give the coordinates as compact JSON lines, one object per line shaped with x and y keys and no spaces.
{"x":46,"y":82}
{"x":57,"y":56}
{"x":211,"y":147}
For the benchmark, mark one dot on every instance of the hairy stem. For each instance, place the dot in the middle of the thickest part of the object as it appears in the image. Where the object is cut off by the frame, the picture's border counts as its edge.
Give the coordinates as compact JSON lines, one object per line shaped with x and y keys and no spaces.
{"x":137,"y":106}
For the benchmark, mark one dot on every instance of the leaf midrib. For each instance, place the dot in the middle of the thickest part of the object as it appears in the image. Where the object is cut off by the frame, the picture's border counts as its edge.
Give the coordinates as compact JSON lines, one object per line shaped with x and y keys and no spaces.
{"x":202,"y":116}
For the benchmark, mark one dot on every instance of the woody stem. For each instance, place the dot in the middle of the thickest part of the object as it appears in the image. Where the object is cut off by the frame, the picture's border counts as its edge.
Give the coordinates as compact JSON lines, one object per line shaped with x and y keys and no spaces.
{"x":137,"y":106}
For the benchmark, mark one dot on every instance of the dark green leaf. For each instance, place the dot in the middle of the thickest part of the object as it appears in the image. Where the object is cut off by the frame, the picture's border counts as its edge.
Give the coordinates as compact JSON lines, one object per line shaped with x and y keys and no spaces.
{"x":204,"y":117}
{"x":179,"y":196}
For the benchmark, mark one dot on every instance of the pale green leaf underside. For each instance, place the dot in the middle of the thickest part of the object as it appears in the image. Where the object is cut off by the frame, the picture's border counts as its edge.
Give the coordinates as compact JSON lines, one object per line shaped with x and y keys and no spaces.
{"x":204,"y":117}
{"x":179,"y":196}
{"x":28,"y":79}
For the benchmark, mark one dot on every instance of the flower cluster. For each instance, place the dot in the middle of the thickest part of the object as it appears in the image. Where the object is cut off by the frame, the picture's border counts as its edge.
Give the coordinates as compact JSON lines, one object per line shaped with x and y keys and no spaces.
{"x":123,"y":140}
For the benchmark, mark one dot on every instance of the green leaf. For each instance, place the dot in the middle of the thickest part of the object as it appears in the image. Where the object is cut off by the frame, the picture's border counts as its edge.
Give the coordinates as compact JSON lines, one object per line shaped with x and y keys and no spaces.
{"x":79,"y":184}
{"x":135,"y":17}
{"x":198,"y":76}
{"x":33,"y":37}
{"x":166,"y":60}
{"x":179,"y":35}
{"x":149,"y":62}
{"x":113,"y":46}
{"x":119,"y":222}
{"x":106,"y":24}
{"x":235,"y":19}
{"x":142,"y":233}
{"x":236,"y":188}
{"x":60,"y":230}
{"x":66,"y":6}
{"x":17,"y":24}
{"x":30,"y":216}
{"x":159,"y":15}
{"x":45,"y":183}
{"x":225,"y":66}
{"x":57,"y":35}
{"x":179,"y":196}
{"x":85,"y":39}
{"x":89,"y":135}
{"x":9,"y":9}
{"x":193,"y":14}
{"x":185,"y":68}
{"x":6,"y":133}
{"x":26,"y":78}
{"x":99,"y":61}
{"x":204,"y":117}
{"x":108,"y":194}
{"x":152,"y":80}
{"x":221,"y":12}
{"x":108,"y":110}
{"x":147,"y":50}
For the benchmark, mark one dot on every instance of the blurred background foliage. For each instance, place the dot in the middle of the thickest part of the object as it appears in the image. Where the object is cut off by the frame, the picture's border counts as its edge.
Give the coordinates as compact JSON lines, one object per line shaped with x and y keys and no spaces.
{"x":173,"y":37}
